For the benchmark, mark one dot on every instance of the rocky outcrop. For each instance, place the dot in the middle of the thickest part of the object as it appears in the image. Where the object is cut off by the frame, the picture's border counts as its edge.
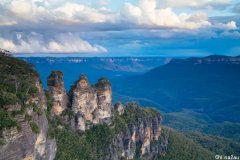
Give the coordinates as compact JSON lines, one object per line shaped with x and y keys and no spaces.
{"x":131,"y":132}
{"x":57,"y":92}
{"x":29,"y":141}
{"x":91,"y":104}
{"x":143,"y":136}
{"x":119,"y":108}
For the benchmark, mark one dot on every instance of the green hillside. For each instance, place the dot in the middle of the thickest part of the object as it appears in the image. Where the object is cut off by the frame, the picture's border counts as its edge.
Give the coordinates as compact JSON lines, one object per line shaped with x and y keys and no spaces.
{"x":183,"y":148}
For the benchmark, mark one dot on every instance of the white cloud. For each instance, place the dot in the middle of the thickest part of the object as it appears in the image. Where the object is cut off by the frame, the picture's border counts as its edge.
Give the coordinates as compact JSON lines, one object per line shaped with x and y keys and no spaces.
{"x":50,"y":14}
{"x":228,"y":26}
{"x":53,"y":17}
{"x":78,"y":13}
{"x":63,"y":43}
{"x":38,"y":11}
{"x":146,"y":13}
{"x":72,"y":43}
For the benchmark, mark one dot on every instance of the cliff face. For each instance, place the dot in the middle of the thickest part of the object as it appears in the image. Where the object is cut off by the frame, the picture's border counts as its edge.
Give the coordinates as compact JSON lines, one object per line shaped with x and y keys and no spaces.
{"x":135,"y":131}
{"x":91,"y":104}
{"x":107,"y":132}
{"x":57,"y":92}
{"x":141,"y":137}
{"x":24,"y":131}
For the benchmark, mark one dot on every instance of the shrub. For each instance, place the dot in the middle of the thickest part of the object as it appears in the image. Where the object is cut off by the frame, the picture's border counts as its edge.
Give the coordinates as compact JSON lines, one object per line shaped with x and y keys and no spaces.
{"x":34,"y":127}
{"x":6,"y":121}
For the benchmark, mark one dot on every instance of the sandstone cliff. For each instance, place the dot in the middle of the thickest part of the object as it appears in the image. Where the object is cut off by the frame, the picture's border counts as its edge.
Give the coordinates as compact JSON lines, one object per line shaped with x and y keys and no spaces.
{"x":57,"y":92}
{"x":132,"y":132}
{"x":91,"y":104}
{"x":107,"y":132}
{"x":140,"y":138}
{"x":23,"y":103}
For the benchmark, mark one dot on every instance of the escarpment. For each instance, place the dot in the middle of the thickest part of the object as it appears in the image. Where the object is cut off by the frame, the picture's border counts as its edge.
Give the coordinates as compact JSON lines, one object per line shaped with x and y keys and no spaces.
{"x":140,"y":136}
{"x":24,"y":126}
{"x":135,"y":131}
{"x":80,"y":124}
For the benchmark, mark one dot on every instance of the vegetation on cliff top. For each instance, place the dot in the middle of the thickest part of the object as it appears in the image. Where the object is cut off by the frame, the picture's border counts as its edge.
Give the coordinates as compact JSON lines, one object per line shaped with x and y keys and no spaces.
{"x":17,"y":85}
{"x":96,"y":142}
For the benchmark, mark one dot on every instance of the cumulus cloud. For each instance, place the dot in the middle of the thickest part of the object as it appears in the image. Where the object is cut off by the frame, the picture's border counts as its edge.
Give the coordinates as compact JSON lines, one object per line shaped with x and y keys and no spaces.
{"x":55,"y":26}
{"x":147,"y":13}
{"x":63,"y":43}
{"x":228,"y":26}
{"x":49,"y":11}
{"x":78,"y":13}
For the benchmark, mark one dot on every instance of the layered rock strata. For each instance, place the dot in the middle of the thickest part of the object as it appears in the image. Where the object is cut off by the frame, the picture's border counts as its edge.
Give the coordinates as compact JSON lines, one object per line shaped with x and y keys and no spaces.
{"x":57,"y":92}
{"x":91,"y":104}
{"x":29,"y":141}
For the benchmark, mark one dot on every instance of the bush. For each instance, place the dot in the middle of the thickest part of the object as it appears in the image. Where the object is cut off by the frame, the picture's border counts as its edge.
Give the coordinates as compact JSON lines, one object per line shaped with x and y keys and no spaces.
{"x":34,"y":127}
{"x":6,"y":121}
{"x":37,"y":110}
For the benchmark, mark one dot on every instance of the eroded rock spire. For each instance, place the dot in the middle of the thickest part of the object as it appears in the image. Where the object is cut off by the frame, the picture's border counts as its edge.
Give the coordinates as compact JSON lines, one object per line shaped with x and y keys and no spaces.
{"x":57,"y":92}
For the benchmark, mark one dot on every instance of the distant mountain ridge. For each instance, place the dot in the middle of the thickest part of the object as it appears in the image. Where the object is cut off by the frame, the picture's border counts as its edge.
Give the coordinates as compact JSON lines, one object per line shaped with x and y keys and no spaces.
{"x":209,"y":60}
{"x":94,"y":67}
{"x":208,"y":85}
{"x":37,"y":124}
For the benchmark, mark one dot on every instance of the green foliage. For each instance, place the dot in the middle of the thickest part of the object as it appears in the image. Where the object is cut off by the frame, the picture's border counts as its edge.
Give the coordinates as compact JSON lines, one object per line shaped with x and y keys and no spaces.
{"x":99,"y":136}
{"x":68,"y":112}
{"x":94,"y":143}
{"x":34,"y":127}
{"x":89,"y":145}
{"x":72,"y":146}
{"x":17,"y":85}
{"x":219,"y":138}
{"x":189,"y":121}
{"x":215,"y":144}
{"x":182,"y":148}
{"x":132,"y":114}
{"x":37,"y":110}
{"x":210,"y":87}
{"x":7,"y":98}
{"x":228,"y":130}
{"x":49,"y":105}
{"x":6,"y":121}
{"x":119,"y":123}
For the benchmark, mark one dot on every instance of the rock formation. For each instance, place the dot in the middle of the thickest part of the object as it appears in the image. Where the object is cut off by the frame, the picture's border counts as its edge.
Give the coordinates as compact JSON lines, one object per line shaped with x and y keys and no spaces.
{"x":29,"y":141}
{"x":119,"y":108}
{"x":57,"y":92}
{"x":140,"y":138}
{"x":138,"y":141}
{"x":134,"y":132}
{"x":91,"y":104}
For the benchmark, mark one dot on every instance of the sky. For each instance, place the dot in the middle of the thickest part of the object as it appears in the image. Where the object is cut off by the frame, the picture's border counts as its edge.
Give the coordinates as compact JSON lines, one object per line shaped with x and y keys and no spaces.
{"x":107,"y":28}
